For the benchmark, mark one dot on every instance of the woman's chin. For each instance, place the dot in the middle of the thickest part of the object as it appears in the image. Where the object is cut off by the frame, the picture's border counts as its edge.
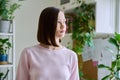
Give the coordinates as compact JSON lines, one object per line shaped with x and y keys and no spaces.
{"x":61,"y":36}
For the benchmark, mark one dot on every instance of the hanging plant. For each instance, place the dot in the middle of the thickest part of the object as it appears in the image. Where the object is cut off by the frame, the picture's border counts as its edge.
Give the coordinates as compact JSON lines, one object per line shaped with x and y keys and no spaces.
{"x":83,"y":26}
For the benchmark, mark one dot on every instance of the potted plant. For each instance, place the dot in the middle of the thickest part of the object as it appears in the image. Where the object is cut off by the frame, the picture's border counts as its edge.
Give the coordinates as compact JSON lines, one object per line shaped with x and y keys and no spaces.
{"x":115,"y":64}
{"x":3,"y":76}
{"x":7,"y":14}
{"x":83,"y":27}
{"x":4,"y":46}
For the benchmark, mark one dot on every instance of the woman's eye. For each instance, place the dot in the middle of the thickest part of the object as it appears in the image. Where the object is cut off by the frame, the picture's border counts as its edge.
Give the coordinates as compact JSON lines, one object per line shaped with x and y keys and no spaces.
{"x":61,"y":22}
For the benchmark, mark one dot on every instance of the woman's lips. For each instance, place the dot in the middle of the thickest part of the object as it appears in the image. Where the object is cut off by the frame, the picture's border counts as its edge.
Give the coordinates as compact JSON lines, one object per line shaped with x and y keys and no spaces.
{"x":62,"y":31}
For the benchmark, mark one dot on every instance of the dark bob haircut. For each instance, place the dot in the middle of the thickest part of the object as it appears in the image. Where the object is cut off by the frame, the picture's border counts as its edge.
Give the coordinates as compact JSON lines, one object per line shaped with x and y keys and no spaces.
{"x":47,"y":26}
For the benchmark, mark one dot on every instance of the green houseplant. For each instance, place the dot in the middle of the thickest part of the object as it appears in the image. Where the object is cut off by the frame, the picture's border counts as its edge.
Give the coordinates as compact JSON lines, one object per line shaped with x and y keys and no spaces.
{"x":3,"y":76}
{"x":83,"y":26}
{"x":7,"y":10}
{"x":115,"y":65}
{"x":4,"y":46}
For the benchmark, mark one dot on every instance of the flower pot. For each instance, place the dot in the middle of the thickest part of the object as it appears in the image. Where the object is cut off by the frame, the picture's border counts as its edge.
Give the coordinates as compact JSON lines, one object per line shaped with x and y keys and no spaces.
{"x":3,"y":59}
{"x":4,"y":26}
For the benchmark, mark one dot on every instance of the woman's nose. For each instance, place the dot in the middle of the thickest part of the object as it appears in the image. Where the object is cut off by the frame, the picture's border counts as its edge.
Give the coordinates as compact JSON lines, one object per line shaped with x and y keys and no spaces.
{"x":63,"y":25}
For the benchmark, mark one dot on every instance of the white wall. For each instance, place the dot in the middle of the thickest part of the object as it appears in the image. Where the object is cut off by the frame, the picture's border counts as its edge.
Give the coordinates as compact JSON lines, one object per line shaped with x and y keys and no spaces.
{"x":26,"y":23}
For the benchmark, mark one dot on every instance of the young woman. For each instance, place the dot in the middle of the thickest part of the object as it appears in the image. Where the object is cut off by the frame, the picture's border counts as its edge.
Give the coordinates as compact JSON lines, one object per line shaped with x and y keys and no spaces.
{"x":49,"y":60}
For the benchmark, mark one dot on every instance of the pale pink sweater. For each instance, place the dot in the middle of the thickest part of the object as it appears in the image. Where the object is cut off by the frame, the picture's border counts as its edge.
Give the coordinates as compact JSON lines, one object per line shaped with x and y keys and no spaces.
{"x":39,"y":63}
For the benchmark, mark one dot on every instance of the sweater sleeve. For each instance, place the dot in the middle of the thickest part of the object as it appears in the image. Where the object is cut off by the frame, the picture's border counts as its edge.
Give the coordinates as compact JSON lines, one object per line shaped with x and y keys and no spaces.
{"x":23,"y":67}
{"x":74,"y":68}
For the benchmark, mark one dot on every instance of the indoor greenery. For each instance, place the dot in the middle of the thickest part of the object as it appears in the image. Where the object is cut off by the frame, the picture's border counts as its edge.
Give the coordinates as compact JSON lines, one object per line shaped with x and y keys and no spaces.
{"x":7,"y":9}
{"x":4,"y":45}
{"x":115,"y":65}
{"x":83,"y":26}
{"x":3,"y":76}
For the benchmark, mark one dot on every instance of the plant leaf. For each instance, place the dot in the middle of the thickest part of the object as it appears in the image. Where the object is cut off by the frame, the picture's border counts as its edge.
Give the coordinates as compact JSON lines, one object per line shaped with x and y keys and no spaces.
{"x":104,"y":66}
{"x":106,"y":77}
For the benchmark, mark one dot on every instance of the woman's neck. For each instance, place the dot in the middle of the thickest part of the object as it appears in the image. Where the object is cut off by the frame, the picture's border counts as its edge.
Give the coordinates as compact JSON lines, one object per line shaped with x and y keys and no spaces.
{"x":51,"y":47}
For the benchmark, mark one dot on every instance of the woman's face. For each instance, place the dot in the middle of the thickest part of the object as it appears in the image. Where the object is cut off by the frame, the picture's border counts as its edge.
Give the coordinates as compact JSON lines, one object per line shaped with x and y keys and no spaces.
{"x":61,"y":25}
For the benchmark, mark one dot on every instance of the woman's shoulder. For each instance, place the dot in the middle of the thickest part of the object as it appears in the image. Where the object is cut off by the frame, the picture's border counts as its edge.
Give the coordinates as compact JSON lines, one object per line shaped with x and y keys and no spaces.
{"x":30,"y":48}
{"x":71,"y":54}
{"x":70,"y":51}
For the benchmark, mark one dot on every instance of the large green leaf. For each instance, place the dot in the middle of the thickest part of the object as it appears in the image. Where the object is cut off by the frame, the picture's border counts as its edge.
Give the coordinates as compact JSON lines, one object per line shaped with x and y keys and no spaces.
{"x":104,"y":66}
{"x":106,"y":77}
{"x":117,"y":37}
{"x":113,"y":64}
{"x":114,"y":42}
